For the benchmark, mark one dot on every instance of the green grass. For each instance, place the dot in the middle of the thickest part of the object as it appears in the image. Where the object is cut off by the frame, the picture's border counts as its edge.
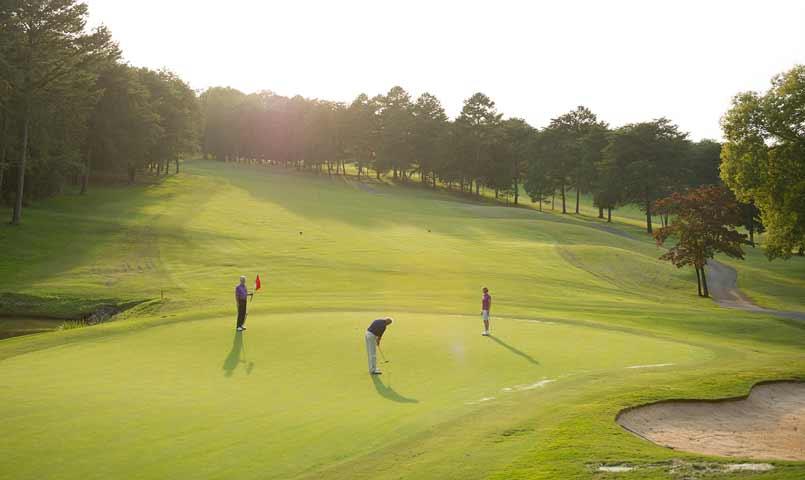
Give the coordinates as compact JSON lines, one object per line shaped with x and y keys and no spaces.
{"x":171,"y":391}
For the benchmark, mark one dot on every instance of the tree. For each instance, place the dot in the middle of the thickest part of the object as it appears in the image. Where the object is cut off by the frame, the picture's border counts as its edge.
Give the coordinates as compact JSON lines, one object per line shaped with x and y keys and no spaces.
{"x":583,"y":138}
{"x":362,"y":131}
{"x":701,"y":167}
{"x":178,"y":111}
{"x":607,"y":187}
{"x":763,"y":159}
{"x":396,"y":151}
{"x":647,"y":155}
{"x":519,"y":136}
{"x":538,"y":183}
{"x":218,"y":110}
{"x":123,"y":126}
{"x":427,"y":134}
{"x":751,"y":220}
{"x":476,"y":131}
{"x":704,"y":224}
{"x":45,"y":47}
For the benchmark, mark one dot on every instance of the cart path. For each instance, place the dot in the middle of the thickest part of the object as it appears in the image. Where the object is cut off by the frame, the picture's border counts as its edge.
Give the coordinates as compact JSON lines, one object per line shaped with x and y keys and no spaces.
{"x":722,"y":282}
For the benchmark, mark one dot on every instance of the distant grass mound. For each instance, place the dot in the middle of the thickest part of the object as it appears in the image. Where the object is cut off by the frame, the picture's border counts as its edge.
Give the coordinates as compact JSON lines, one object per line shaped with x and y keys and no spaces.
{"x":585,"y":322}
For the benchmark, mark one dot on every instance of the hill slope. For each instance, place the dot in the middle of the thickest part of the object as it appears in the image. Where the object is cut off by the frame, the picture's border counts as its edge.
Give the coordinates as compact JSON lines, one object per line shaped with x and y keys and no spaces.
{"x":173,"y":391}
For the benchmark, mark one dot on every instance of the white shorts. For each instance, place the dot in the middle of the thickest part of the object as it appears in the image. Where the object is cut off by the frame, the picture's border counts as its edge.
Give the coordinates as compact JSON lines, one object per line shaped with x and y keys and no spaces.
{"x":485,"y":315}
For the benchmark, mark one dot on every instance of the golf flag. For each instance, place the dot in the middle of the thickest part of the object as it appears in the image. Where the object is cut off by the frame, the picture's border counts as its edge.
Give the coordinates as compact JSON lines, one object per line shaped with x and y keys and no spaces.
{"x":257,"y":283}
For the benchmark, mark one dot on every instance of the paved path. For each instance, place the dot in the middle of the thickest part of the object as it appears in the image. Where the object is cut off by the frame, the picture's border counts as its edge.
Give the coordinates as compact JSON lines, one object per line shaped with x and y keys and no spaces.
{"x":722,"y":281}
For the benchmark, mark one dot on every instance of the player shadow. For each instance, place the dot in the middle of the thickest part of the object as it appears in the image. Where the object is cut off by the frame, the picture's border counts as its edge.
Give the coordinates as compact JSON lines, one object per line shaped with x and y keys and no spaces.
{"x":236,"y":356}
{"x":389,"y":393}
{"x":515,"y":351}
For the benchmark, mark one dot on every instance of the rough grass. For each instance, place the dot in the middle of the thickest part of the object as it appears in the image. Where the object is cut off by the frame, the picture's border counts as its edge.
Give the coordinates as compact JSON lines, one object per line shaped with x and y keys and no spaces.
{"x":171,"y":391}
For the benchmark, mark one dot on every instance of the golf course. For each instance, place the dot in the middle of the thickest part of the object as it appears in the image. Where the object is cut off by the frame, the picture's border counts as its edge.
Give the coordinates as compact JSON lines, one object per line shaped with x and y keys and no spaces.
{"x":586,"y":322}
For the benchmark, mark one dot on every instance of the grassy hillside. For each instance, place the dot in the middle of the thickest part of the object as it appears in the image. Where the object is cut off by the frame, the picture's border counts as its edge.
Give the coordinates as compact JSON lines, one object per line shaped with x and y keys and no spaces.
{"x":172,"y":391}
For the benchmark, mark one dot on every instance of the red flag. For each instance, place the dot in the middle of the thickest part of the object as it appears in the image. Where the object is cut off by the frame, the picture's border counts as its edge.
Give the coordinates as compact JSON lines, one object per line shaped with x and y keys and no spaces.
{"x":257,"y":283}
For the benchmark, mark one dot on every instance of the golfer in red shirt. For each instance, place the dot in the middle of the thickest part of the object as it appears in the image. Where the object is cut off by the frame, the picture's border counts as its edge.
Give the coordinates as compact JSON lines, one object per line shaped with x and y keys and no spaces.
{"x":486,"y":305}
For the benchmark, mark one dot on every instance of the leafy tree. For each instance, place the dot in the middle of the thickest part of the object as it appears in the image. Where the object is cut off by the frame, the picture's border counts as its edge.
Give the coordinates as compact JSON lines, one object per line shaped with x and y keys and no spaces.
{"x":554,"y":154}
{"x":396,"y":152}
{"x":476,"y":129}
{"x":751,"y":220}
{"x":178,"y":111}
{"x":123,"y":126}
{"x":583,"y":138}
{"x":427,"y":135}
{"x":46,"y":49}
{"x":704,"y":224}
{"x":607,"y":187}
{"x":520,"y":139}
{"x":362,"y":131}
{"x":218,"y":112}
{"x":538,"y":183}
{"x":647,"y":155}
{"x":763,"y":159}
{"x":701,"y":167}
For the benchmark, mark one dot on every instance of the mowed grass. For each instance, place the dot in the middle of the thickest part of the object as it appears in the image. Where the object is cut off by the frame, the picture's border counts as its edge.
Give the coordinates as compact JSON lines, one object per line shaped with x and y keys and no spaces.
{"x":172,"y":391}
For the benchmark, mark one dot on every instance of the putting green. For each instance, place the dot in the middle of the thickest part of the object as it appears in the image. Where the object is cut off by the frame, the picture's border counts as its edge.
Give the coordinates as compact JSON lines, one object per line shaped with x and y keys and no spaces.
{"x":290,"y":394}
{"x":585,"y":323}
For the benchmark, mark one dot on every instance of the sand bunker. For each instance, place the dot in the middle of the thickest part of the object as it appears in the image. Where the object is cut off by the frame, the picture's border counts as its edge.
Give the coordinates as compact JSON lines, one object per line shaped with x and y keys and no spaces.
{"x":769,"y":424}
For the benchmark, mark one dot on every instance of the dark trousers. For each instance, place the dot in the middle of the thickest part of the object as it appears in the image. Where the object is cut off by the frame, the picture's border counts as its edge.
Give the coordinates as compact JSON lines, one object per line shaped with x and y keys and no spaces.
{"x":241,"y":312}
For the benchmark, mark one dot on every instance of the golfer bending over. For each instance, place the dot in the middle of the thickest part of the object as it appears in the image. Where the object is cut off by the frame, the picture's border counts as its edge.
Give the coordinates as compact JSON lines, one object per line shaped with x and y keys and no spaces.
{"x":486,"y":304}
{"x":241,"y":294}
{"x":373,"y":335}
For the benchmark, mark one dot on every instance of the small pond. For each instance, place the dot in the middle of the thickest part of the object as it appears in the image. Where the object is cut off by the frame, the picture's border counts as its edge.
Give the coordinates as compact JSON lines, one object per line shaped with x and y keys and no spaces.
{"x":18,"y":326}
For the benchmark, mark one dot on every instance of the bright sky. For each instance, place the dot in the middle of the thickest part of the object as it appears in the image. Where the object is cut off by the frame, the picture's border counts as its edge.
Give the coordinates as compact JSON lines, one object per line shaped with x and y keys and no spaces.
{"x":628,"y":61}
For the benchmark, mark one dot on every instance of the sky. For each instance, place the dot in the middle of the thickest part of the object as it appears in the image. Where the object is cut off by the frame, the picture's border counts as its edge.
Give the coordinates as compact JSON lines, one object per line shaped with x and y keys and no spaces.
{"x":628,"y":61}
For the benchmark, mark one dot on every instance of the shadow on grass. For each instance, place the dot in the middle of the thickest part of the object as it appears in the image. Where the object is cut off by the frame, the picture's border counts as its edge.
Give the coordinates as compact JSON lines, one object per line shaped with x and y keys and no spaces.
{"x":236,"y":356}
{"x":389,"y":393}
{"x":514,"y":350}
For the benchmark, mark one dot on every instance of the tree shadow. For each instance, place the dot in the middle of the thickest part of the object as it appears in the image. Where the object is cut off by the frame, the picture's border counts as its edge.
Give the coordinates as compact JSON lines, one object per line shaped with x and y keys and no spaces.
{"x":514,"y":350}
{"x":233,"y":359}
{"x":389,"y":393}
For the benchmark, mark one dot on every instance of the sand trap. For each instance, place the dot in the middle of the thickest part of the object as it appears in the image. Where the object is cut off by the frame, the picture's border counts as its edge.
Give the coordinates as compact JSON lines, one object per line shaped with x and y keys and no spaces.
{"x":769,"y":424}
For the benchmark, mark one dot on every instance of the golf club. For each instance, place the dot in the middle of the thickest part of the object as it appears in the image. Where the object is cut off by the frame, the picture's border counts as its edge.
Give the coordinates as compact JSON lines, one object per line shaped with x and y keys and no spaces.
{"x":382,"y":355}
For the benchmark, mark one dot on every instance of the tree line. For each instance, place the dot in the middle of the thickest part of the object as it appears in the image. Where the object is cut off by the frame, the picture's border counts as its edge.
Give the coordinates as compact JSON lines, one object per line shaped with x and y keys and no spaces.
{"x":71,"y":110}
{"x":410,"y":138}
{"x":70,"y":107}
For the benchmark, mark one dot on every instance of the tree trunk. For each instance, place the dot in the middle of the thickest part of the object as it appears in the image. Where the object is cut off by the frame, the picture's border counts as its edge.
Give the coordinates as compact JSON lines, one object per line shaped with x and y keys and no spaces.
{"x":16,"y":215}
{"x":751,"y":231}
{"x":3,"y":154}
{"x":477,"y":188}
{"x":540,"y":203}
{"x":87,"y":166}
{"x":698,"y":281}
{"x":497,"y":193}
{"x":704,"y":284}
{"x":553,"y":199}
{"x":177,"y":164}
{"x":609,"y":215}
{"x":648,"y":216}
{"x":516,"y":190}
{"x":601,"y":212}
{"x":564,"y":207}
{"x":578,"y":194}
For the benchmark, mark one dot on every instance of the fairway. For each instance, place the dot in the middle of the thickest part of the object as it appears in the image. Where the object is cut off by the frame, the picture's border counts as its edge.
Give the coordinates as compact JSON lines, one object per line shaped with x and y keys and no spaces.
{"x":584,"y":323}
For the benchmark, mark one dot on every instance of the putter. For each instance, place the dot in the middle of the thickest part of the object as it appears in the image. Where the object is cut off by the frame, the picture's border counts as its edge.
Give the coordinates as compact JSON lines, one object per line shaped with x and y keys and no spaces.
{"x":382,"y":355}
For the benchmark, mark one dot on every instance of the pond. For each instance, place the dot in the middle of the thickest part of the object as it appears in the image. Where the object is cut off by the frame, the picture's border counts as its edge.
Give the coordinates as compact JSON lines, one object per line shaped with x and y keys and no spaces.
{"x":18,"y":326}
